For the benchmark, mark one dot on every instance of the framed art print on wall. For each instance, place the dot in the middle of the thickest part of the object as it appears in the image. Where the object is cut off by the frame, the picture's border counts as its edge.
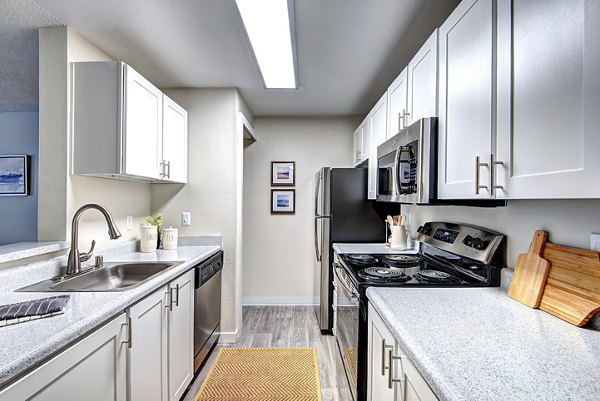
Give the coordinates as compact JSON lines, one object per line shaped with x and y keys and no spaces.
{"x":283,"y":201}
{"x":283,"y":174}
{"x":14,"y":175}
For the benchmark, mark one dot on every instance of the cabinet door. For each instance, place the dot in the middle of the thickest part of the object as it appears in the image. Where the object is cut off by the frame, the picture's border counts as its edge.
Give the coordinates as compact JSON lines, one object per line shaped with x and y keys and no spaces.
{"x":380,"y":342}
{"x":94,"y":369}
{"x":422,"y":82}
{"x":358,"y":145}
{"x":142,"y":125}
{"x":174,"y":141}
{"x":465,"y":98}
{"x":377,"y":124}
{"x":148,"y":352}
{"x":548,"y":103}
{"x":413,"y":386}
{"x":181,"y":335}
{"x":397,"y":107}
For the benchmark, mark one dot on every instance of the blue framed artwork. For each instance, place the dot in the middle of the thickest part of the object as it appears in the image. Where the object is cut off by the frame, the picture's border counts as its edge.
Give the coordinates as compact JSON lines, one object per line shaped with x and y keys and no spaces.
{"x":14,"y":175}
{"x":283,"y":201}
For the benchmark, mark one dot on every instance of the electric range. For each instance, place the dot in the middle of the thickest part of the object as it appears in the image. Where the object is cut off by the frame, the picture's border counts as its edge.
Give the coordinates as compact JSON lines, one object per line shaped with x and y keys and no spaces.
{"x":451,"y":255}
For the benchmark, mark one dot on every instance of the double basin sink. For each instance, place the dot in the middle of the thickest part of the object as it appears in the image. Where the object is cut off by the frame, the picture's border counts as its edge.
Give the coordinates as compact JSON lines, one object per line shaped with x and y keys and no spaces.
{"x":118,"y":276}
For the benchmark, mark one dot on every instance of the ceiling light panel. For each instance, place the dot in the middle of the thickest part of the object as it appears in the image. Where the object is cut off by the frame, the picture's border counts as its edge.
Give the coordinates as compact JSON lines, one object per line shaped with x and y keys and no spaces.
{"x":267,"y":24}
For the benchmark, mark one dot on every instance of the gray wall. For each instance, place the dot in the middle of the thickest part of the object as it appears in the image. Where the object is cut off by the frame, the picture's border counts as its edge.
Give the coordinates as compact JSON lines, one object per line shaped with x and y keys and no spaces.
{"x":569,"y":222}
{"x":19,"y":135}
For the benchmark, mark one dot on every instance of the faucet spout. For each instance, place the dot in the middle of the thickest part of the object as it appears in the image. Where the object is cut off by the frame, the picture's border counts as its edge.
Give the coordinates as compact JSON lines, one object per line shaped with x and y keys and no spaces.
{"x":75,"y":258}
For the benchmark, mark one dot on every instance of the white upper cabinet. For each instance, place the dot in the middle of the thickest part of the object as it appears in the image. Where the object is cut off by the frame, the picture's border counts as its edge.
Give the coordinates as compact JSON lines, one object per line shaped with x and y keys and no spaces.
{"x":122,"y":129}
{"x":422,"y":82}
{"x":548,"y":99}
{"x":358,"y":144}
{"x":142,"y":121}
{"x":174,"y":142}
{"x":397,"y":97}
{"x":377,"y":127}
{"x":465,"y":101}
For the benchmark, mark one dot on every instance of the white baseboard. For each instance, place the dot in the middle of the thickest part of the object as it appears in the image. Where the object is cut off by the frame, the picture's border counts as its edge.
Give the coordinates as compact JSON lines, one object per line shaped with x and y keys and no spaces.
{"x":228,"y":337}
{"x":295,"y":301}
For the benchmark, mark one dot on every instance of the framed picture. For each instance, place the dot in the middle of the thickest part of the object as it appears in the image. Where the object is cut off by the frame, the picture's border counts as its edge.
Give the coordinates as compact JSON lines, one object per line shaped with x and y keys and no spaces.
{"x":13,"y":175}
{"x":283,"y":174}
{"x":283,"y":201}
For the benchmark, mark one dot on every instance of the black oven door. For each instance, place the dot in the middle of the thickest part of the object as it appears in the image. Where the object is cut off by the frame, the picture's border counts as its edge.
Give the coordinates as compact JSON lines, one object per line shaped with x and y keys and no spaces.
{"x":346,"y":323}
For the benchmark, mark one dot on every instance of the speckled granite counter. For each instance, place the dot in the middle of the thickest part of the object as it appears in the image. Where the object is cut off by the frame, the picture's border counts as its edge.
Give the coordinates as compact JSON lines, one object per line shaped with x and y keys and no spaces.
{"x":372,"y":249}
{"x":478,"y":344}
{"x":25,"y":345}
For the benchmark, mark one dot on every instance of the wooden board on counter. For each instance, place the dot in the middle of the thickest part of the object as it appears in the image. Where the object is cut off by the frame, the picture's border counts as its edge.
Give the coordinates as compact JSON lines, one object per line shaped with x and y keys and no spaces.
{"x":568,"y":287}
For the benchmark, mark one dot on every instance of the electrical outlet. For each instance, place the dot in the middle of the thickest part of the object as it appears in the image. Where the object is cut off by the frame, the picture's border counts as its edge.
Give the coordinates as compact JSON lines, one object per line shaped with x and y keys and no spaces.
{"x":595,"y":242}
{"x":129,"y":224}
{"x":186,"y":219}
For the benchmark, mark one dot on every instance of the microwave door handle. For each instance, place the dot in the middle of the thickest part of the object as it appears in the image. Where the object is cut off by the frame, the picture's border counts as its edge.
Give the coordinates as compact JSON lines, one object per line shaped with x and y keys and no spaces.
{"x":397,"y":171}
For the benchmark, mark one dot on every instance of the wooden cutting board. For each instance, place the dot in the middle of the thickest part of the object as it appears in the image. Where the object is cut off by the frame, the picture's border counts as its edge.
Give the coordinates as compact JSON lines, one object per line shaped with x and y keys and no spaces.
{"x":530,"y":274}
{"x":572,"y":290}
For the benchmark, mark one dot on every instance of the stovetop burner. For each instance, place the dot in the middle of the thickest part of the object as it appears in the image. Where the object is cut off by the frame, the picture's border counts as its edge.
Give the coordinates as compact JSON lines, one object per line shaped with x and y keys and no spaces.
{"x":436,"y":276}
{"x":383,"y":274}
{"x":364,"y":260}
{"x":401,"y":261}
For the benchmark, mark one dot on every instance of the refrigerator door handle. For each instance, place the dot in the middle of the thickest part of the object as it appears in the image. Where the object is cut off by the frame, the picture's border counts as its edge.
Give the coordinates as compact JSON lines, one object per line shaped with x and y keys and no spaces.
{"x":319,"y":177}
{"x":317,"y":247}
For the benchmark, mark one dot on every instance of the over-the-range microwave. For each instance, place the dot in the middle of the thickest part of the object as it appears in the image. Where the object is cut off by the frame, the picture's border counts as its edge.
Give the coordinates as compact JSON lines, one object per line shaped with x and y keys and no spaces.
{"x":407,"y":164}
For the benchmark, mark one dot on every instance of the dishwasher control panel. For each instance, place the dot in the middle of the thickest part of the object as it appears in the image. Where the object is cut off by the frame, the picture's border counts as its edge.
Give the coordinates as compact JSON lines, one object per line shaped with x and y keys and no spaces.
{"x":208,"y":268}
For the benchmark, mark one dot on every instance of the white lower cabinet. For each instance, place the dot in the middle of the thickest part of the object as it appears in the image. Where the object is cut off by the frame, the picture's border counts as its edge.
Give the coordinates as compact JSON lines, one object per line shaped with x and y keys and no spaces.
{"x":94,"y":369}
{"x":391,"y":375}
{"x":161,"y":353}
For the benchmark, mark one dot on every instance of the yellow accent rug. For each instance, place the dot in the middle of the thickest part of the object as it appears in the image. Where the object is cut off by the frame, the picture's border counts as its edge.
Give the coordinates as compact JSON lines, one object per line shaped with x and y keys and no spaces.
{"x":352,"y":359}
{"x":263,"y":374}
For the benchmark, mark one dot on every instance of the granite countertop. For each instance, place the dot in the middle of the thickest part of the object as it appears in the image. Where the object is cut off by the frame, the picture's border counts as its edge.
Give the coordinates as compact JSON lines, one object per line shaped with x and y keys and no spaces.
{"x":478,"y":344}
{"x":25,"y":345}
{"x":11,"y":252}
{"x":373,"y":249}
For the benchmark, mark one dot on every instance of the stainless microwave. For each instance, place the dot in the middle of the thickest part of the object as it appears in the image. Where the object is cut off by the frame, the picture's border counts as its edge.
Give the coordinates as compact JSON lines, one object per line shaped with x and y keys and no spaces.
{"x":407,"y":164}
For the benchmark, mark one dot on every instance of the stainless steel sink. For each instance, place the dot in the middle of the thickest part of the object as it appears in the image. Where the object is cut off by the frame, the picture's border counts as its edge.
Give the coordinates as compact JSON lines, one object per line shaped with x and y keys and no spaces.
{"x":112,"y":277}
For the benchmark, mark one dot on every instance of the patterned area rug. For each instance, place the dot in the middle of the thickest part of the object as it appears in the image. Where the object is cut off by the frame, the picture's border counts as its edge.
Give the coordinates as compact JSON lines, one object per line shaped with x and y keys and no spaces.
{"x":351,"y":355}
{"x":263,"y":374}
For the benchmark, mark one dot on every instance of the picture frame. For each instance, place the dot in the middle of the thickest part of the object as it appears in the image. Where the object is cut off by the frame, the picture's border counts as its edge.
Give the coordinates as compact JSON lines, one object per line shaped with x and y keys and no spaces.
{"x":283,"y":173}
{"x":283,"y":201}
{"x":14,"y":175}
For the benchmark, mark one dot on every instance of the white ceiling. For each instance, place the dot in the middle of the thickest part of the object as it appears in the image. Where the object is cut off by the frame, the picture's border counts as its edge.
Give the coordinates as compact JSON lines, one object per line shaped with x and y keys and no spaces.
{"x":19,"y":22}
{"x":348,"y":50}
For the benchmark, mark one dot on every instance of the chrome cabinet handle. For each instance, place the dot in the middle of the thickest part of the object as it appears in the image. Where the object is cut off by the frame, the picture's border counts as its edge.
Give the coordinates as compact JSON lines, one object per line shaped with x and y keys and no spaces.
{"x":383,"y":348}
{"x":391,"y":379}
{"x":128,"y":341}
{"x":493,"y":175}
{"x":176,"y":295}
{"x":169,"y":305}
{"x":406,"y":115}
{"x":168,"y":169}
{"x":478,"y":165}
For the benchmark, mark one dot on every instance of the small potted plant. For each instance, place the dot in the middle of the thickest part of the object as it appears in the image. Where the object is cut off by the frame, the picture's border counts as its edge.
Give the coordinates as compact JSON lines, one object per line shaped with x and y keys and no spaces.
{"x":158,"y":222}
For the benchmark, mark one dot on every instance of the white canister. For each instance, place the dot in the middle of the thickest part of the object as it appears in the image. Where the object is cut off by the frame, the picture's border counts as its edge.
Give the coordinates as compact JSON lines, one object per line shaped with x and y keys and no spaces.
{"x":398,"y":241}
{"x":169,"y":238}
{"x":149,"y":239}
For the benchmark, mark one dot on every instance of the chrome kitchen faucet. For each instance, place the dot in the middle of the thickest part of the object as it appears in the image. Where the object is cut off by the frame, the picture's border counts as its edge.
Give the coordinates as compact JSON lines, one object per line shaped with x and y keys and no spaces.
{"x":75,"y":258}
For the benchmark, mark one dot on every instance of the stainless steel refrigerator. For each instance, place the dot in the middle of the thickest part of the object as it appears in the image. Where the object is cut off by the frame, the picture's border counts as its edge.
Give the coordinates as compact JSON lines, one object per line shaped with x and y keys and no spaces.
{"x":343,"y":215}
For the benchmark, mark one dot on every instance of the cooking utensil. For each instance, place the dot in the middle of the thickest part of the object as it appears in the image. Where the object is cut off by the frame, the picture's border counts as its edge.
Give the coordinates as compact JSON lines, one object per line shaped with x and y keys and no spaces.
{"x":530,"y":274}
{"x":390,"y":220}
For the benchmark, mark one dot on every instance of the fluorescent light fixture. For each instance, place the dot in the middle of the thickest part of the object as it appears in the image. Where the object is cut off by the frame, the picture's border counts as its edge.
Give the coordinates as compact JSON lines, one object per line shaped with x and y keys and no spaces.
{"x":267,"y":25}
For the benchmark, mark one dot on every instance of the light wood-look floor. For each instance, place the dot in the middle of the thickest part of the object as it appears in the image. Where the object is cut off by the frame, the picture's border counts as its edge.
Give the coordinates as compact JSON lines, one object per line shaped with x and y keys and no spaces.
{"x":287,"y":326}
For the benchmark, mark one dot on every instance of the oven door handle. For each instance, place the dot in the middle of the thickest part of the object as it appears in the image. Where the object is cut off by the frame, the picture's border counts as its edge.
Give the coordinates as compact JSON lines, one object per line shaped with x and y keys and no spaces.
{"x":343,"y":282}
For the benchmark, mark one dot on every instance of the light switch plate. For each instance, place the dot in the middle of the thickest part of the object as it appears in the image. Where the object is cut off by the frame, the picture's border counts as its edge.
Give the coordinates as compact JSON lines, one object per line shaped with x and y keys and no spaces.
{"x":186,"y":219}
{"x":595,"y":242}
{"x":129,"y":224}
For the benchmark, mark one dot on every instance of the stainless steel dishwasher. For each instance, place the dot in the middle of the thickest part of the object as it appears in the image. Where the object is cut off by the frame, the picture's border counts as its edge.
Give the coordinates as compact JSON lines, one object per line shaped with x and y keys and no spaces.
{"x":207,"y":312}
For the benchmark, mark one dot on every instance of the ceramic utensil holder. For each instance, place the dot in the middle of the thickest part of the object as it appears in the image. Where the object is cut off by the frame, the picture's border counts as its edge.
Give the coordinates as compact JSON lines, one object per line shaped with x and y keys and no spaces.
{"x":149,"y":238}
{"x":169,"y":238}
{"x":398,"y":241}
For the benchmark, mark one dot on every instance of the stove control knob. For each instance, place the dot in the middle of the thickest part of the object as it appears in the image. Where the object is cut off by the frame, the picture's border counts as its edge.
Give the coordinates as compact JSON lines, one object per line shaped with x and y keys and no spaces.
{"x":468,"y":241}
{"x":479,"y":244}
{"x":425,"y":230}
